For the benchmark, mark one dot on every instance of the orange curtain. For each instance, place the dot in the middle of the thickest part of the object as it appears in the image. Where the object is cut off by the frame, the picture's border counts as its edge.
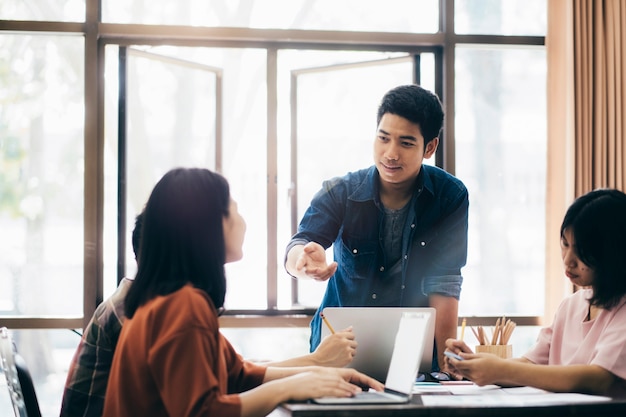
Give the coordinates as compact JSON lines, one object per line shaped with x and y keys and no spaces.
{"x":561,"y":149}
{"x":599,"y":30}
{"x":586,"y":54}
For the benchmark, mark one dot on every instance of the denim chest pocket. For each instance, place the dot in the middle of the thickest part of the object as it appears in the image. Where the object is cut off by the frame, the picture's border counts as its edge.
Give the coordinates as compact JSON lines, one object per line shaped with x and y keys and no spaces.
{"x":423,"y":244}
{"x":359,"y":258}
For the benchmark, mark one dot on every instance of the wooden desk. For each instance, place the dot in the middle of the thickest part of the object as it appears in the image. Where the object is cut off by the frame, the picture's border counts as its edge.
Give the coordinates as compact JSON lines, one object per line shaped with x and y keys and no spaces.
{"x":614,"y":408}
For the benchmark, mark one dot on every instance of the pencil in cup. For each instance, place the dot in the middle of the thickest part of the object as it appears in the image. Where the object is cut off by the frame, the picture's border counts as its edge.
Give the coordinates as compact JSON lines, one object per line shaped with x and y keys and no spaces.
{"x":499,"y":342}
{"x":503,"y":351}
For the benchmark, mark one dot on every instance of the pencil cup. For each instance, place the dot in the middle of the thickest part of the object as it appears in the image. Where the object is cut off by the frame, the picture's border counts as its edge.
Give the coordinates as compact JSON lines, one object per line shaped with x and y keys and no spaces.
{"x":503,"y":351}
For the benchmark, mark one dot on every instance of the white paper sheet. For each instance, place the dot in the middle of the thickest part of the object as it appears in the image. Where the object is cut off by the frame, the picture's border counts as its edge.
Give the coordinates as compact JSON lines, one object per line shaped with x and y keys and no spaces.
{"x":506,"y":398}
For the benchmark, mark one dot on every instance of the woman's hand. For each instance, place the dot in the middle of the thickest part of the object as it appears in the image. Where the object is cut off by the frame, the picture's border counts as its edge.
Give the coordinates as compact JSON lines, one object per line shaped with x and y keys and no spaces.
{"x":458,"y":347}
{"x":480,"y":368}
{"x":336,"y":350}
{"x":328,"y":382}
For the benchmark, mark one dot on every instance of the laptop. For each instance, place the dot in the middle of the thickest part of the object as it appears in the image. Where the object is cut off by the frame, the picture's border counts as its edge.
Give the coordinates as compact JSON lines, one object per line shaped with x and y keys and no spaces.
{"x":405,"y":359}
{"x":375,"y":329}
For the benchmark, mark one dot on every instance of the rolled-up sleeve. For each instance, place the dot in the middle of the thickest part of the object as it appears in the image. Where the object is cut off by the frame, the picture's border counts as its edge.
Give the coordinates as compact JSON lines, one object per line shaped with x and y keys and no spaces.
{"x":450,"y":240}
{"x":447,"y":285}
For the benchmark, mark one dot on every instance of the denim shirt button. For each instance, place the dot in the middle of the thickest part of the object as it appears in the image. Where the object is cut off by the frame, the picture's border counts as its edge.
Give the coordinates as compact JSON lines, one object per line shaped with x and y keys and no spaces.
{"x":355,"y":251}
{"x":402,"y":286}
{"x":381,"y":269}
{"x":406,"y":257}
{"x":373,"y":296}
{"x":413,"y":226}
{"x":422,"y":243}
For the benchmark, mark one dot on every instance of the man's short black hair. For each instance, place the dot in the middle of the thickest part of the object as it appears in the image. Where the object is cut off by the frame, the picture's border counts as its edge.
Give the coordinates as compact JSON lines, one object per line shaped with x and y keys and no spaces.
{"x":417,"y":105}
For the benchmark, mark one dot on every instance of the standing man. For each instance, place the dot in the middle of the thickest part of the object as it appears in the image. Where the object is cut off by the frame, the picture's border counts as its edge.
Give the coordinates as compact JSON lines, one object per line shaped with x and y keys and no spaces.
{"x":398,"y":228}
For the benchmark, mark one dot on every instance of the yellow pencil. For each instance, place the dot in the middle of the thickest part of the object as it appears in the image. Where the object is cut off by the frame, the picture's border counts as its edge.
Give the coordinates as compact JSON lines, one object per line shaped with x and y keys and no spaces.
{"x":327,"y":323}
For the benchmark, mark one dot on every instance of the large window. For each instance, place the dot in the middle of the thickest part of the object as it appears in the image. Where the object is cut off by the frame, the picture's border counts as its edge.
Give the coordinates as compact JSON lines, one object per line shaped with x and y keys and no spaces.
{"x":501,"y":156}
{"x":278,"y":95}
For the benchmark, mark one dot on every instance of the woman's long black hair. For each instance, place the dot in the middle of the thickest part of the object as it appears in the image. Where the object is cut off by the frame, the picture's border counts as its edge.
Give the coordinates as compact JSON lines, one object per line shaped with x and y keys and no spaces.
{"x":597,"y":221}
{"x":182,"y":238}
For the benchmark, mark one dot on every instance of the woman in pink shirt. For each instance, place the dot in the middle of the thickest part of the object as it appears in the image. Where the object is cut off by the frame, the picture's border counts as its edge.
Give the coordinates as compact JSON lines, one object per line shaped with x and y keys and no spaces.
{"x":584,"y":350}
{"x":171,"y":358}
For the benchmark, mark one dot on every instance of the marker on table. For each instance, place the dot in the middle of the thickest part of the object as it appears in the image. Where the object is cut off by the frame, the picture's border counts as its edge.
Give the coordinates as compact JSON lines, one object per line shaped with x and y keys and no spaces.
{"x":327,"y":323}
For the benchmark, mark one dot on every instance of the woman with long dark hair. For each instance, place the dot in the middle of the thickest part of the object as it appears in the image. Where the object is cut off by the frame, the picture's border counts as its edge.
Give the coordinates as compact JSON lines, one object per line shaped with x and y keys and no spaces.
{"x":584,"y":350}
{"x":171,"y":359}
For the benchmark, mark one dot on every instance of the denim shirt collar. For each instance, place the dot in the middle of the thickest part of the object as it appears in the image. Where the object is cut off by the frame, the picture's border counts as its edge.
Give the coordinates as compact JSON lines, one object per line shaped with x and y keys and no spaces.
{"x":368,"y":189}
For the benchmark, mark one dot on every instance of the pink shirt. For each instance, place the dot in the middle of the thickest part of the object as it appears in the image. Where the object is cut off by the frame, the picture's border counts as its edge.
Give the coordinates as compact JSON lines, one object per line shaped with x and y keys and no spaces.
{"x":573,"y":341}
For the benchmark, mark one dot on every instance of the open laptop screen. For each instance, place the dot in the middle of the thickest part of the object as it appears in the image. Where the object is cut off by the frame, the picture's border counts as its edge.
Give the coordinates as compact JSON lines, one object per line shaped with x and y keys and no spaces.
{"x":408,"y":345}
{"x":375,"y":329}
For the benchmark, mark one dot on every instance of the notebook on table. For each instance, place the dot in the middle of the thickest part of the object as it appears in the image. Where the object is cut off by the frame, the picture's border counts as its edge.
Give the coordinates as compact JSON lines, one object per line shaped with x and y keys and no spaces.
{"x":375,"y":329}
{"x":405,"y":359}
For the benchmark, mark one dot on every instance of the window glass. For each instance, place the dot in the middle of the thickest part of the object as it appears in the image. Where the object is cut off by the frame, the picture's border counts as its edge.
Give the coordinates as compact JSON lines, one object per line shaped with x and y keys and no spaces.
{"x":501,"y":17}
{"x":245,"y":167}
{"x":171,"y":120}
{"x":252,"y":343}
{"x":500,"y":139}
{"x":337,"y":99}
{"x":411,"y":16}
{"x":49,"y":10}
{"x":172,"y":109}
{"x":111,"y":86}
{"x":41,"y":175}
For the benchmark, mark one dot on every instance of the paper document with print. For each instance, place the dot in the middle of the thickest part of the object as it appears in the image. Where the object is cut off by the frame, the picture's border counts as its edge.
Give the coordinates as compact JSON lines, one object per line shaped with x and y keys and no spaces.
{"x":405,"y":360}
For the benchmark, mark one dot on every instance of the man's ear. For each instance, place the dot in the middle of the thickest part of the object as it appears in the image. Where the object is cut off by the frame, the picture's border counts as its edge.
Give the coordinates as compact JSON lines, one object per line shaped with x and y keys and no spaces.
{"x":431,"y":148}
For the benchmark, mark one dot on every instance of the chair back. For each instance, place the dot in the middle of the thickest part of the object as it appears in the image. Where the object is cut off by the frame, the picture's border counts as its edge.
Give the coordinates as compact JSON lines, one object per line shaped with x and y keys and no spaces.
{"x":19,"y":381}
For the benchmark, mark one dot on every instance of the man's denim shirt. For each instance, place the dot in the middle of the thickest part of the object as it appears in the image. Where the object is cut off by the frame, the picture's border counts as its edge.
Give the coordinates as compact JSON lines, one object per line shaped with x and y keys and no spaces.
{"x":347,"y":213}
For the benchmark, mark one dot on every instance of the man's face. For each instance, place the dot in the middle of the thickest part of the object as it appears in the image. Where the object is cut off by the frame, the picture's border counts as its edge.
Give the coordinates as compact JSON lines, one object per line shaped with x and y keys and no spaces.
{"x":399,"y":150}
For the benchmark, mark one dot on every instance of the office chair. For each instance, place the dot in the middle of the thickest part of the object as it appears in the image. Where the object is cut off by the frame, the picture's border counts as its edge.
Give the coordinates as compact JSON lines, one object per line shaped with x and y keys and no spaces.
{"x":19,"y":381}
